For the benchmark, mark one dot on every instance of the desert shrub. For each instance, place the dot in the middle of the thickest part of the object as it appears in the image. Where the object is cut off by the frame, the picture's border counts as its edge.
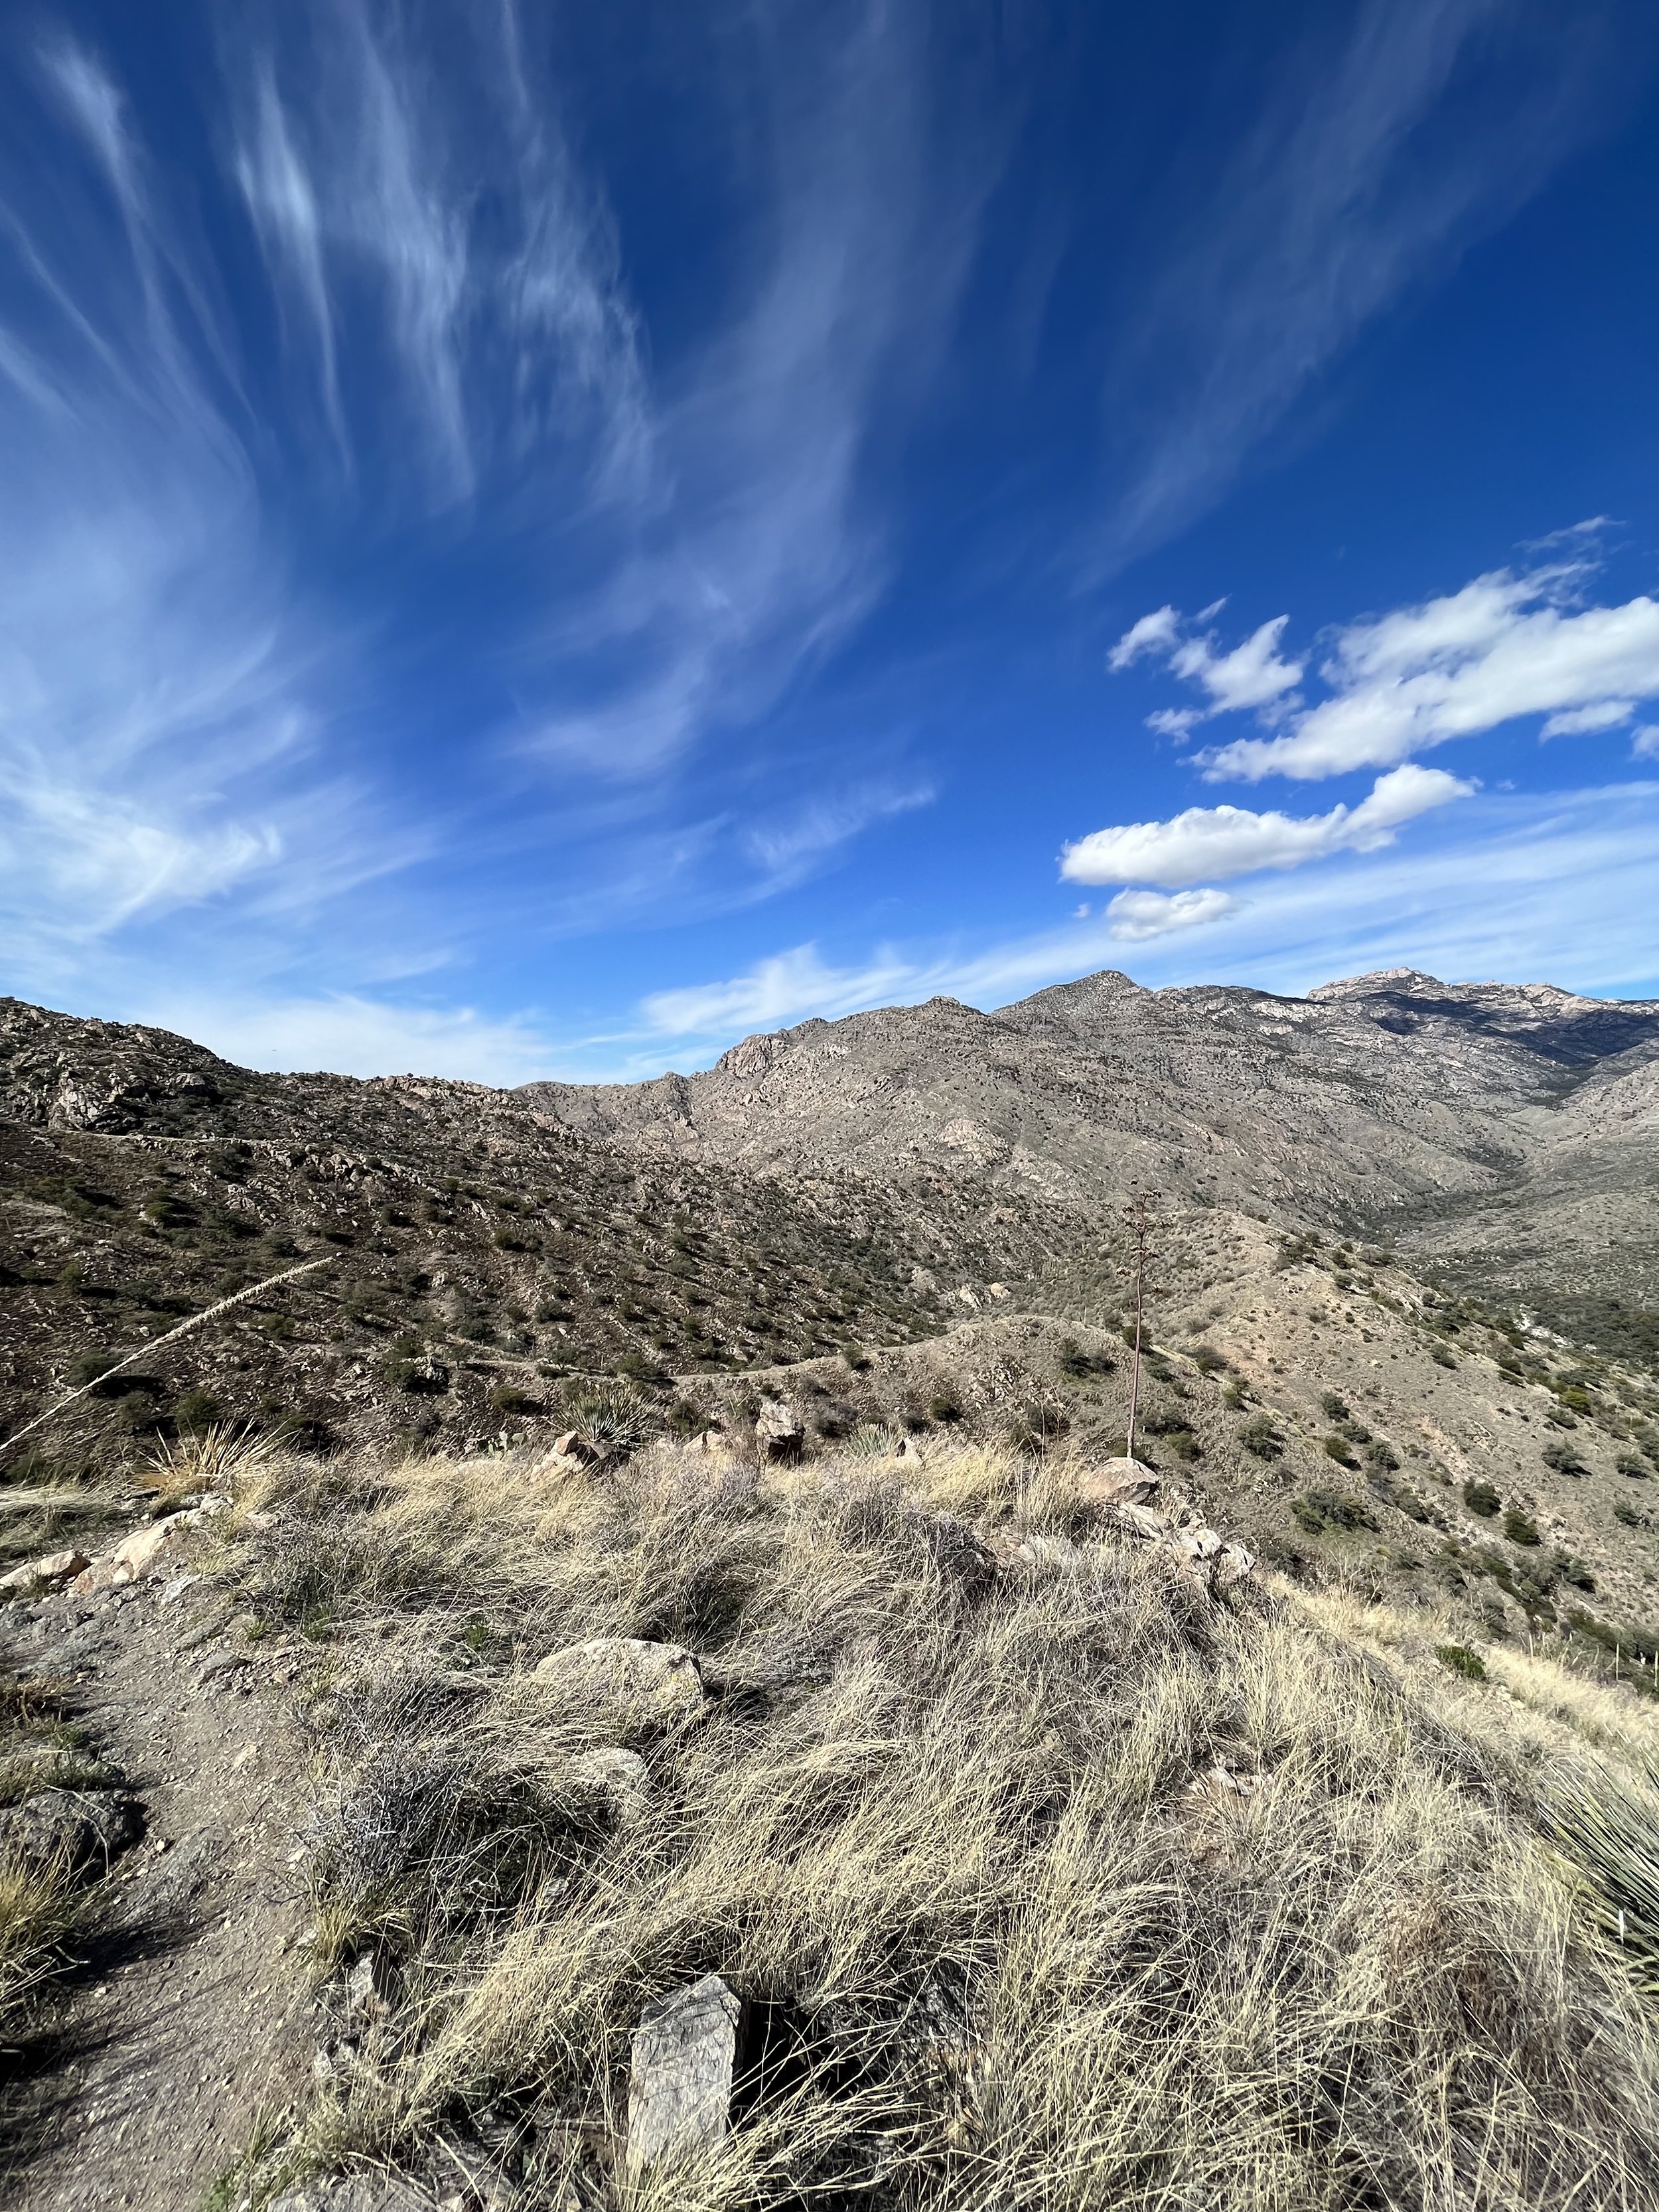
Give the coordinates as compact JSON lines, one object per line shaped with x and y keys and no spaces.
{"x":1627,"y":1515}
{"x":1564,"y":1460}
{"x":1458,"y":1659}
{"x":1334,"y":1409}
{"x":1337,"y":1447}
{"x":1632,"y":1464}
{"x":1441,"y":1356}
{"x":1208,"y":1359}
{"x":1320,"y":1510}
{"x":197,"y":1410}
{"x":511,"y":1398}
{"x":1520,"y":1529}
{"x":1480,"y":1498}
{"x":1260,"y":1438}
{"x":611,"y":1416}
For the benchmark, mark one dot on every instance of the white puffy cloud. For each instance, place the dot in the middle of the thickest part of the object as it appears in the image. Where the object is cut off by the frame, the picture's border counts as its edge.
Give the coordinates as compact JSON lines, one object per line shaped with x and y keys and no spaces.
{"x":1133,"y":916}
{"x":1154,"y":633}
{"x":1645,"y":741}
{"x":1206,"y":841}
{"x":1504,"y":647}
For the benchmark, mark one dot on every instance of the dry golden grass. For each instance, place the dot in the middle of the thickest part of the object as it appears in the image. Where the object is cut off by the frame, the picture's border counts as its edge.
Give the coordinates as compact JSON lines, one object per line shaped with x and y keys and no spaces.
{"x":1054,"y":1890}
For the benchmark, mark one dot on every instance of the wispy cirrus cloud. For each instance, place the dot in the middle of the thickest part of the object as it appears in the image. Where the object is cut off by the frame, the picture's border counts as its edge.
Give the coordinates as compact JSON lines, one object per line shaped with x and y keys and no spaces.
{"x":1362,"y":179}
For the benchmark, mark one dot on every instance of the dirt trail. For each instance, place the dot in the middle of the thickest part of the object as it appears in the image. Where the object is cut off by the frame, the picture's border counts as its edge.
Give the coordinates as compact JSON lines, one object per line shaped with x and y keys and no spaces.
{"x":188,"y":2017}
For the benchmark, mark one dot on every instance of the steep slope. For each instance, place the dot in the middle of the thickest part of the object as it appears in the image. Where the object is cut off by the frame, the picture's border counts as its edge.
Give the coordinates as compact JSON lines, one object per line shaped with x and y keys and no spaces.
{"x":481,"y":1254}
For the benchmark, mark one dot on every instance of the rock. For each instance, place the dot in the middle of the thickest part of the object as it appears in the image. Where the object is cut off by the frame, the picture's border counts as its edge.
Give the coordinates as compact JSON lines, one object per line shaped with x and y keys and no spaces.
{"x":998,"y":1291}
{"x":626,"y":1678}
{"x":709,"y":1440}
{"x":959,"y":1554}
{"x":357,"y":2192}
{"x":909,"y":1450}
{"x":780,"y":1431}
{"x":363,"y":1999}
{"x":1197,"y":1542}
{"x":84,"y":1828}
{"x":679,"y":2094}
{"x":620,"y":1777}
{"x":1143,"y":1520}
{"x":575,"y":1449}
{"x":1040,"y":1554}
{"x":56,"y":1568}
{"x":1119,"y":1482}
{"x":135,"y":1556}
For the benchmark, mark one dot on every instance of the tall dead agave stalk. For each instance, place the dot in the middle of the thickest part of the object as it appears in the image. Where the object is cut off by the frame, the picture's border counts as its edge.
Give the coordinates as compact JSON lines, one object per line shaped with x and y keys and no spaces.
{"x":145,"y":1351}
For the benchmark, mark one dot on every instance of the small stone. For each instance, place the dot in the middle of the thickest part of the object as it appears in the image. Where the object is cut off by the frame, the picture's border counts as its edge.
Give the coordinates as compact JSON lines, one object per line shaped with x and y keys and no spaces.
{"x":679,"y":2096}
{"x":909,"y":1450}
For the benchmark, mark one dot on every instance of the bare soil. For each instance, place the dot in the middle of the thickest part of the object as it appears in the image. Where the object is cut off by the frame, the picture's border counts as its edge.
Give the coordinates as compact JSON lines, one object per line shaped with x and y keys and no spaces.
{"x":183,"y":2018}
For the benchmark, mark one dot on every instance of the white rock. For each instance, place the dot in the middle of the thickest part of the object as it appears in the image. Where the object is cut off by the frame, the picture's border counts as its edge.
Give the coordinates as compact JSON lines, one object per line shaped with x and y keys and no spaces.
{"x":679,"y":2096}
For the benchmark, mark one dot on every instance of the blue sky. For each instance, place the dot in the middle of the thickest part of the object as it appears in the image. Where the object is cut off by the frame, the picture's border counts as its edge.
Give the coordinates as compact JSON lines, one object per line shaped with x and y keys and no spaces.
{"x":537,"y":541}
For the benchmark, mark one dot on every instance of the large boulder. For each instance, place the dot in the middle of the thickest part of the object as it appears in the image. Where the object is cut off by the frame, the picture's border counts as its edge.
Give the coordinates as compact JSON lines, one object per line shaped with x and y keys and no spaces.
{"x":679,"y":2092}
{"x":81,"y":1830}
{"x":625,"y":1680}
{"x":1119,"y":1482}
{"x":780,"y":1431}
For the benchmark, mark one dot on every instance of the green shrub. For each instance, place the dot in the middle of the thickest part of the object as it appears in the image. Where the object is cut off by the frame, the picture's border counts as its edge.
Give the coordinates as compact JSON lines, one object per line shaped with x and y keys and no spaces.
{"x":1519,"y":1528}
{"x":1334,"y":1407}
{"x":1331,"y":1509}
{"x":1336,"y":1448}
{"x":1629,"y":1463}
{"x":1564,"y":1460}
{"x":1441,"y":1356}
{"x":1458,"y":1659}
{"x":1480,"y":1498}
{"x":1261,"y":1439}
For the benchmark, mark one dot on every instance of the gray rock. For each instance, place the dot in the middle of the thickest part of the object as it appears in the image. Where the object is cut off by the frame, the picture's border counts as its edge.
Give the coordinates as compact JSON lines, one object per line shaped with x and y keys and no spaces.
{"x":620,"y":1777}
{"x":780,"y":1431}
{"x":679,"y":2095}
{"x":356,"y":2192}
{"x":84,"y":1828}
{"x":625,"y":1679}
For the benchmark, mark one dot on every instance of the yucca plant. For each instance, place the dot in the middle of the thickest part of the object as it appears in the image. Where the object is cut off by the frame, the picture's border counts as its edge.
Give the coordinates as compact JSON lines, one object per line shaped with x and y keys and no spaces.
{"x":1609,"y":1827}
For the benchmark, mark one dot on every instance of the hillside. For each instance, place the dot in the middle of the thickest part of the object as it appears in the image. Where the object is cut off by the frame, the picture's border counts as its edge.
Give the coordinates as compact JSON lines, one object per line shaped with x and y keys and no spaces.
{"x":1504,"y":1133}
{"x":481,"y":1254}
